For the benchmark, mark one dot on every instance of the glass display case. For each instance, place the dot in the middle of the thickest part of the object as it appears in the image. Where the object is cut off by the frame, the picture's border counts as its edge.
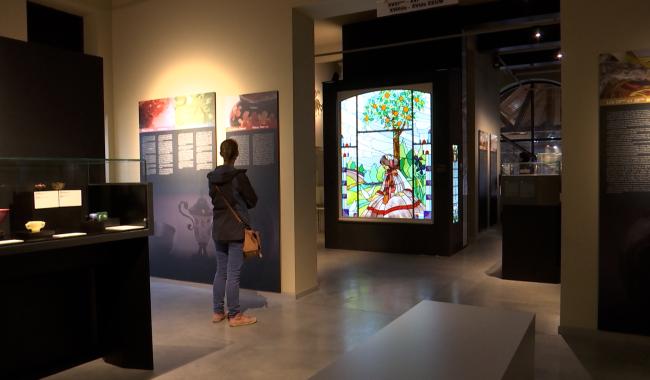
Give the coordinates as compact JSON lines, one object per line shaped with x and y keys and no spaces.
{"x":546,"y":167}
{"x":48,"y":198}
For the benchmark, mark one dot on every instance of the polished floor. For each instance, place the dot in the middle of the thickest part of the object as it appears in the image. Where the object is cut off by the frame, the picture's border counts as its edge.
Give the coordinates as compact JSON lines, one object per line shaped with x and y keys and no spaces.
{"x":359,"y":293}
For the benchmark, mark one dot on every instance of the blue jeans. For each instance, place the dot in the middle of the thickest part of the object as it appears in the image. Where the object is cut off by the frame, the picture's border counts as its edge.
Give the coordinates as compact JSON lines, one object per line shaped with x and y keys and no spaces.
{"x":230,"y":257}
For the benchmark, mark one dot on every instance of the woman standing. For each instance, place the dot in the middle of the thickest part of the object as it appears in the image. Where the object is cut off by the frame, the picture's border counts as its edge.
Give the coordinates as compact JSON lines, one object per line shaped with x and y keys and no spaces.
{"x":230,"y":185}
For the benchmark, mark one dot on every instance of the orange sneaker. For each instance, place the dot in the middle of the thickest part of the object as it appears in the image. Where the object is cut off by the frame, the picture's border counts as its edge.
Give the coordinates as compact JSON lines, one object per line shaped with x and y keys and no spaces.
{"x":241,"y":320}
{"x":218,"y":317}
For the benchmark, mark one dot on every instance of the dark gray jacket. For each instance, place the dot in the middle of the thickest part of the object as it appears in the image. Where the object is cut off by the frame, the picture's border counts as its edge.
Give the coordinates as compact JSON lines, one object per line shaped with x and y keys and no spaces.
{"x":236,"y":187}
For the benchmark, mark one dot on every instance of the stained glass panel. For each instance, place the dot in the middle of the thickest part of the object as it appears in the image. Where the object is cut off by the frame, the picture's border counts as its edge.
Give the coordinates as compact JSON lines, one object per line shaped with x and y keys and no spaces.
{"x":386,"y":155}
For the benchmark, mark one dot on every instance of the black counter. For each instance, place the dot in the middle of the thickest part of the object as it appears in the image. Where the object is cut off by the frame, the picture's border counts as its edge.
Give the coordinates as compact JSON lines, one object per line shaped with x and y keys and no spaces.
{"x":532,"y":222}
{"x":68,"y":301}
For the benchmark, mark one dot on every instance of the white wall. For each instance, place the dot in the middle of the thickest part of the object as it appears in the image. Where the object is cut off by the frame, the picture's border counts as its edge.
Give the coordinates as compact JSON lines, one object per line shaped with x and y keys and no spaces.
{"x":589,"y":27}
{"x":165,"y":47}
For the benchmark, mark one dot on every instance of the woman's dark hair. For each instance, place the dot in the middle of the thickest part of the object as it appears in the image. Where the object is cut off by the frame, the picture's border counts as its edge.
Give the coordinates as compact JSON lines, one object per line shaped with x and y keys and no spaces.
{"x":229,"y":149}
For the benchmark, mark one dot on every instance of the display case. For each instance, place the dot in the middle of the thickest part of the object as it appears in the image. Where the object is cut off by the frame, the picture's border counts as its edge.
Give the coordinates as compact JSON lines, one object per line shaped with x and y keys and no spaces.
{"x":547,"y":166}
{"x":75,"y":246}
{"x":48,"y":199}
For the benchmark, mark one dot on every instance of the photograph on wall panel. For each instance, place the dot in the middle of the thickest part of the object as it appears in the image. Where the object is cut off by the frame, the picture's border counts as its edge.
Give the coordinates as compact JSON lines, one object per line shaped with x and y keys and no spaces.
{"x":177,"y":137}
{"x":624,"y":231}
{"x":252,"y":121}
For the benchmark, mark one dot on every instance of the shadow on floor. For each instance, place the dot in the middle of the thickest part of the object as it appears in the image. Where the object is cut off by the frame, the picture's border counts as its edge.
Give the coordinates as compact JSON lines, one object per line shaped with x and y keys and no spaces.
{"x":166,"y":359}
{"x":249,"y":299}
{"x":495,"y":270}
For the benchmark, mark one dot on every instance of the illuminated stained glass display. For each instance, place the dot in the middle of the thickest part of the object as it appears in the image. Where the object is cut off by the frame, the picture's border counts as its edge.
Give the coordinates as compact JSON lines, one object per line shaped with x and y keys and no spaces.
{"x":385,"y":147}
{"x":455,"y":190}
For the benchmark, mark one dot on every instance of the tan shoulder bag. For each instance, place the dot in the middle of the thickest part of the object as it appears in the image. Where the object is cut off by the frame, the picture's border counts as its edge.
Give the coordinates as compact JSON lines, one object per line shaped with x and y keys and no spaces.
{"x":252,"y":241}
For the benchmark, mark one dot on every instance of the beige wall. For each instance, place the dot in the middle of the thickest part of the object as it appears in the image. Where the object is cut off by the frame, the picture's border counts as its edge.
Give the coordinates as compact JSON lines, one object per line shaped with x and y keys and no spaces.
{"x":165,"y":47}
{"x":162,"y":48}
{"x":304,"y":180}
{"x":589,"y":27}
{"x":13,"y":19}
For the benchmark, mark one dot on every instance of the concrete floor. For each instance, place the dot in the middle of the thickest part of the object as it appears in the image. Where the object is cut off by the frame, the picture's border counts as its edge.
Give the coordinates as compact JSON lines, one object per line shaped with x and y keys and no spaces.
{"x":359,"y":293}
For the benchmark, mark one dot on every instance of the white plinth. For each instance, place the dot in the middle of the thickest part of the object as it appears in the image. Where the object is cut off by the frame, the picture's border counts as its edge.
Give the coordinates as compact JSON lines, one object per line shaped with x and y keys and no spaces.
{"x":436,"y":340}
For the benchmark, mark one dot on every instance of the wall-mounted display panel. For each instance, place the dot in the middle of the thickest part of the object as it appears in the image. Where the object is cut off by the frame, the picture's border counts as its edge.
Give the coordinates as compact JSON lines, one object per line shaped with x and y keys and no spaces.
{"x":252,"y":121}
{"x":385,"y":155}
{"x":177,"y":137}
{"x":624,"y":209}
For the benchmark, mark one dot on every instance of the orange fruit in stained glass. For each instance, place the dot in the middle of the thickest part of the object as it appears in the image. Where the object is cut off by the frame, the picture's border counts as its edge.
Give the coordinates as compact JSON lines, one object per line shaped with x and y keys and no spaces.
{"x":383,"y":107}
{"x":374,"y":106}
{"x":417,"y":100}
{"x":401,"y":98}
{"x":399,"y":123}
{"x":387,"y":95}
{"x":406,"y":109}
{"x":365,"y":118}
{"x":395,"y":113}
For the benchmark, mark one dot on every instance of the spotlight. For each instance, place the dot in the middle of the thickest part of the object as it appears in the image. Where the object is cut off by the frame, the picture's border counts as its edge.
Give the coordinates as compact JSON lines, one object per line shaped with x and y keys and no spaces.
{"x":559,"y":55}
{"x":538,"y":35}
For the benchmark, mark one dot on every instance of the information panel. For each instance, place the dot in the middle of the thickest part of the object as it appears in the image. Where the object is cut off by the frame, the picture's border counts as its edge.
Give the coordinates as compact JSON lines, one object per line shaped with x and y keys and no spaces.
{"x":177,"y":138}
{"x":253,"y":123}
{"x":624,"y":275}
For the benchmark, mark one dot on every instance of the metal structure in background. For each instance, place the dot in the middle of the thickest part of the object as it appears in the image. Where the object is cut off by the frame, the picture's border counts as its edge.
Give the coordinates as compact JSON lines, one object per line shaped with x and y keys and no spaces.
{"x":530,"y":113}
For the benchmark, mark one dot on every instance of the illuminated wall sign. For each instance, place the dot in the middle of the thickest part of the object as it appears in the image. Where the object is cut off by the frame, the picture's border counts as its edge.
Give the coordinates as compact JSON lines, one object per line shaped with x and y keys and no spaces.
{"x":394,"y":7}
{"x":455,"y":184}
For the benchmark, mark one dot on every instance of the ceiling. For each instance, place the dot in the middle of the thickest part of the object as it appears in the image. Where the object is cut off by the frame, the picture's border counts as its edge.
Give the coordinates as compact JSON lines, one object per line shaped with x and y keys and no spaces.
{"x":515,"y":50}
{"x":328,"y":34}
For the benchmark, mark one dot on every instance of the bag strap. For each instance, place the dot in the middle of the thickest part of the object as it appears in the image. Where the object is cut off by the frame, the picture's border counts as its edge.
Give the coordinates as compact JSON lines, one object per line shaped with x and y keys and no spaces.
{"x":232,"y":210}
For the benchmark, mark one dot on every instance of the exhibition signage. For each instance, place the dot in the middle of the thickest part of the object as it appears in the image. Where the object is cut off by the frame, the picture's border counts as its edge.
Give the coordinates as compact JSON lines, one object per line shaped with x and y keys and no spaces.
{"x":177,"y":137}
{"x":624,"y":220}
{"x":252,"y":121}
{"x":394,"y":7}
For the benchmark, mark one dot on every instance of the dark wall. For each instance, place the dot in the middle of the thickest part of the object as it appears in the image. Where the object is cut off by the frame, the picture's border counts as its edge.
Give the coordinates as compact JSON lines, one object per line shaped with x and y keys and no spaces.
{"x":49,"y":26}
{"x":433,"y":238}
{"x":420,"y":55}
{"x":51,"y":102}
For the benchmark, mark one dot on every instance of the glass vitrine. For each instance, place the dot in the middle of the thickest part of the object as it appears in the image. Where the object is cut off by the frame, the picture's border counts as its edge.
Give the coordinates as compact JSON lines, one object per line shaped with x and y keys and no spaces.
{"x":58,"y":198}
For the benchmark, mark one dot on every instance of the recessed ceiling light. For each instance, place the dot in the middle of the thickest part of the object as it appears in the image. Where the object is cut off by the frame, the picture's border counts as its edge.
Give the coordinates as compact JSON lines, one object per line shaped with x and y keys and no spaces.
{"x":538,"y":35}
{"x":559,"y":55}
